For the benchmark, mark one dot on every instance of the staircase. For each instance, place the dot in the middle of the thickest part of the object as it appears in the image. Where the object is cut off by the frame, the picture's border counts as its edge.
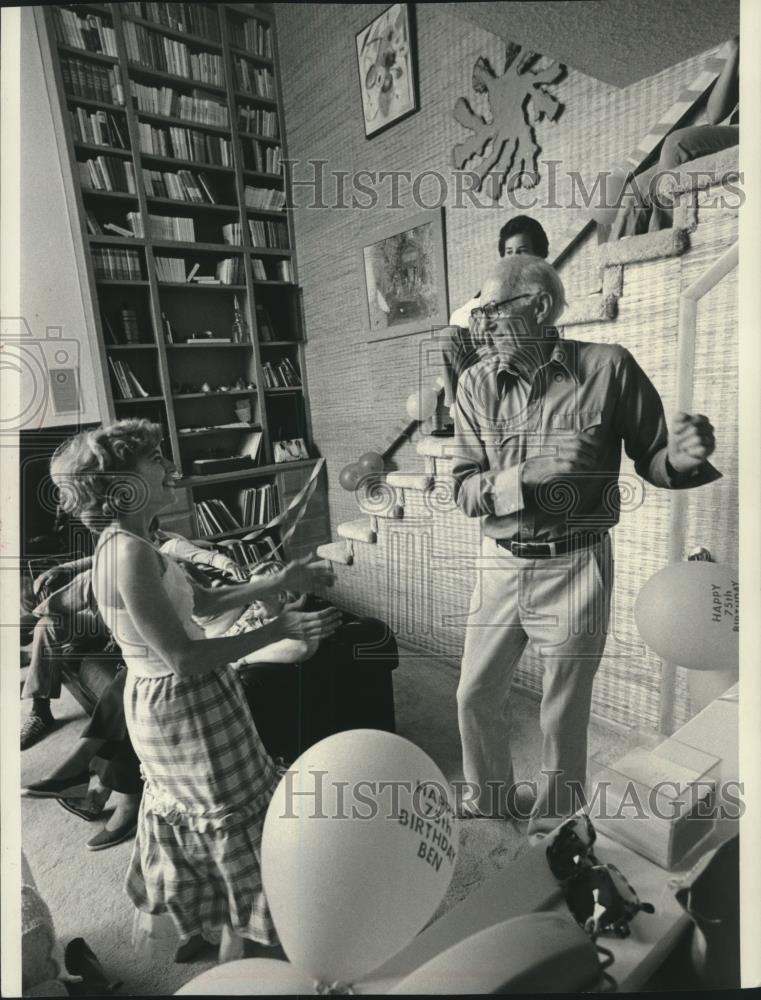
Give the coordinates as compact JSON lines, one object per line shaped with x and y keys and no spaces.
{"x":411,"y":555}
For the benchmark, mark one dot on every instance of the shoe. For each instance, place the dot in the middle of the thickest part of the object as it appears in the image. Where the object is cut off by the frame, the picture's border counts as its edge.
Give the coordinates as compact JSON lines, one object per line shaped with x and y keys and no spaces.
{"x":35,"y":727}
{"x":51,"y":788}
{"x":89,"y":807}
{"x":110,"y":838}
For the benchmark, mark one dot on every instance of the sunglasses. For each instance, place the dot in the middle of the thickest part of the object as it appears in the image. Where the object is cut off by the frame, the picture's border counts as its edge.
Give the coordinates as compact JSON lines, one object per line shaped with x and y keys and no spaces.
{"x":598,"y":896}
{"x":493,"y":310}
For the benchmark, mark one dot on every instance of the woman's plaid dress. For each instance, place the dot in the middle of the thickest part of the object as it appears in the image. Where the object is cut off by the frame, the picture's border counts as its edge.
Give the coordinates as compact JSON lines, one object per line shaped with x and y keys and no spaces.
{"x":208,"y":781}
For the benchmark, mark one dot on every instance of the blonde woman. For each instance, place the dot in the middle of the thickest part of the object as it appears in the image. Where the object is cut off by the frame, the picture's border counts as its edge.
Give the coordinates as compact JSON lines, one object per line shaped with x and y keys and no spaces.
{"x":208,"y":778}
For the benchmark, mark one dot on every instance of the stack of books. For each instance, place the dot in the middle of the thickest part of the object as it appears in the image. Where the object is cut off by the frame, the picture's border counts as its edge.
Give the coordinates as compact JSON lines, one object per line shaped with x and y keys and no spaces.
{"x":191,"y":18}
{"x":281,"y":374}
{"x":261,"y":157}
{"x":84,"y":32}
{"x":126,"y":381}
{"x":98,"y":128}
{"x":94,"y":83}
{"x":116,"y":264}
{"x":164,"y":227}
{"x":148,"y":48}
{"x":107,"y":173}
{"x":259,"y":121}
{"x":166,"y":101}
{"x":259,"y":504}
{"x":214,"y":518}
{"x":253,"y":79}
{"x":170,"y":269}
{"x":181,"y":185}
{"x":252,"y":35}
{"x":185,"y":144}
{"x":270,"y":199}
{"x":230,"y":271}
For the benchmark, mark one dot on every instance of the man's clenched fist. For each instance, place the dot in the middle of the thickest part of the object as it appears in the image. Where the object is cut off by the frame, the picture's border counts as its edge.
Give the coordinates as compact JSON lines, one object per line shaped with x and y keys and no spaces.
{"x":691,"y":442}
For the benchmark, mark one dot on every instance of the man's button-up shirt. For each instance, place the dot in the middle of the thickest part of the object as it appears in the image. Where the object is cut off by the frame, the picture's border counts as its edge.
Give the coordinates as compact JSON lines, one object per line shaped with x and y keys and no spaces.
{"x":504,"y":417}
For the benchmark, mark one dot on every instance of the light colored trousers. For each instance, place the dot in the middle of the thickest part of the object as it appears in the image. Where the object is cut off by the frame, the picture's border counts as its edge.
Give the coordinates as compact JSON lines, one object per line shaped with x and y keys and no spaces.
{"x":561,"y":606}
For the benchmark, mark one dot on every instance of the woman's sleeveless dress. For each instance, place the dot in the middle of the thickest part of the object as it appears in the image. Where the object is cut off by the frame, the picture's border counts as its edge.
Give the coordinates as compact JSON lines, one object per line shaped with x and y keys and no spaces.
{"x":208,"y":780}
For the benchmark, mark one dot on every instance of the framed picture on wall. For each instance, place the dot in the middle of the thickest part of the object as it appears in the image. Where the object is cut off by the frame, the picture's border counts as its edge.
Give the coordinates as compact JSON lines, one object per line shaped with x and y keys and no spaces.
{"x":386,"y":60}
{"x":405,"y":277}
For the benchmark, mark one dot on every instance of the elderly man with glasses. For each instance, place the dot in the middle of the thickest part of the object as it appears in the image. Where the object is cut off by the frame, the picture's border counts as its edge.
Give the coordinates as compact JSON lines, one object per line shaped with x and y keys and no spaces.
{"x":539,"y":427}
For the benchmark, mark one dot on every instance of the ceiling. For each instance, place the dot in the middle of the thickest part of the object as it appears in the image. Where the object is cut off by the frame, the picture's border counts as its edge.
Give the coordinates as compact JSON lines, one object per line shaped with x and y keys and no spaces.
{"x":617,"y":41}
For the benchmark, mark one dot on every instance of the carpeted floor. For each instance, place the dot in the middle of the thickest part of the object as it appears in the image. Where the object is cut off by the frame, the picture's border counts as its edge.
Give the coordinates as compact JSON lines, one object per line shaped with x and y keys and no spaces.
{"x":84,"y":889}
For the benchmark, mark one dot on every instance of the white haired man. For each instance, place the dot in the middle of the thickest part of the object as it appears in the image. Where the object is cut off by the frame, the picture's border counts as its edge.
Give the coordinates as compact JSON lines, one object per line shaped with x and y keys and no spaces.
{"x":538,"y":433}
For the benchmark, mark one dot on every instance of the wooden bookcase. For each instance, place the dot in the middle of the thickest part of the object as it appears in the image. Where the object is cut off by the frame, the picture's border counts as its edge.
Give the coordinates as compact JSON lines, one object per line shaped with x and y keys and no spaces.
{"x":135,"y":82}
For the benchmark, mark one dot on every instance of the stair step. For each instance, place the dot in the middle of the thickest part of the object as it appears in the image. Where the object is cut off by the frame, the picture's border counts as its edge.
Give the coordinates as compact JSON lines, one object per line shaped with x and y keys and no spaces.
{"x":419,"y":481}
{"x":360,"y":530}
{"x":649,"y":246}
{"x":593,"y":309}
{"x":380,"y":499}
{"x":336,"y":552}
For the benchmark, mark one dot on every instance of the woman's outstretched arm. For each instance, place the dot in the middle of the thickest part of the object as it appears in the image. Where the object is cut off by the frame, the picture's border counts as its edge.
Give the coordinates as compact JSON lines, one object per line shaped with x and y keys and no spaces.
{"x":137,"y":582}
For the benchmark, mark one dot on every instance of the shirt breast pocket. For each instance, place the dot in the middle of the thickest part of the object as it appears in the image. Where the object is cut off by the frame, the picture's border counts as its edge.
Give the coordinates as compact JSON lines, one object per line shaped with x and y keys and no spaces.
{"x":575,"y":421}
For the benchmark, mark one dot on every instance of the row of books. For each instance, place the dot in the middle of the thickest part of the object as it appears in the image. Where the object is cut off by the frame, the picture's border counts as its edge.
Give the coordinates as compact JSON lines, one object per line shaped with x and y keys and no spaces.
{"x":128,"y":327}
{"x":271,"y":199}
{"x":167,"y":102}
{"x":169,"y":56}
{"x":263,"y":234}
{"x":191,"y":18}
{"x":99,"y":128}
{"x":170,"y":269}
{"x":107,"y":173}
{"x":84,"y":32}
{"x":185,"y":144}
{"x":252,"y":35}
{"x":182,"y":185}
{"x":260,"y":121}
{"x":116,"y":264}
{"x":259,"y":504}
{"x":163,"y":227}
{"x":280,"y":270}
{"x":261,"y":156}
{"x":126,"y":381}
{"x":248,"y":554}
{"x":92,"y":82}
{"x":253,"y":79}
{"x":230,"y":271}
{"x":280,"y":374}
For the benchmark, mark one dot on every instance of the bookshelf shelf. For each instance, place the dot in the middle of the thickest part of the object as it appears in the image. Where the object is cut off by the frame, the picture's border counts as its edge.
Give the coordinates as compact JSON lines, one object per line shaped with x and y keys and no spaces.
{"x":201,"y":165}
{"x":208,"y":347}
{"x":138,"y":69}
{"x":74,"y":50}
{"x":91,"y":147}
{"x":254,"y":473}
{"x":202,"y":287}
{"x":139,"y":399}
{"x":243,"y":95}
{"x":216,"y":393}
{"x":180,"y":36}
{"x":164,"y":313}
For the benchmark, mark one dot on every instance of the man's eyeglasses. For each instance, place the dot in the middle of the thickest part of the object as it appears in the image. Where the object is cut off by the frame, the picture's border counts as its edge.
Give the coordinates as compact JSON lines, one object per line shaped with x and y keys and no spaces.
{"x":493,"y":310}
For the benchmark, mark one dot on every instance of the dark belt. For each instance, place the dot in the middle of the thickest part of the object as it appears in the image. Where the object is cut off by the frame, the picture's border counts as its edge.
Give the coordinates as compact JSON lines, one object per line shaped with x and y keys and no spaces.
{"x":548,"y":550}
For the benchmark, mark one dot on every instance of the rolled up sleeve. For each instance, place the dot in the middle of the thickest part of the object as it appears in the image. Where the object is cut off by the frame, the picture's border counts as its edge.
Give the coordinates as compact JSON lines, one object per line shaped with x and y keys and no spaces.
{"x":480,"y":490}
{"x":642,"y":425}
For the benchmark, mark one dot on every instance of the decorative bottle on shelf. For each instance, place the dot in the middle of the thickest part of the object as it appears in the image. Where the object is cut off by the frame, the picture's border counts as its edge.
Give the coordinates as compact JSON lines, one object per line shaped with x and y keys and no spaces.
{"x":239,"y":323}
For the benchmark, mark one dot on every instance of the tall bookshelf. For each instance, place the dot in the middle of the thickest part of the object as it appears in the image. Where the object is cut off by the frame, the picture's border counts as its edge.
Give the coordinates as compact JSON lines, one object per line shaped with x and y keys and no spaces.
{"x":173,"y":125}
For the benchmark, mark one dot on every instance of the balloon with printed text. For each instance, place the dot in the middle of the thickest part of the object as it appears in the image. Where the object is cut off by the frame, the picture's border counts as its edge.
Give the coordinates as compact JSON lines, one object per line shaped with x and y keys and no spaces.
{"x":688,"y":613}
{"x":358,"y":849}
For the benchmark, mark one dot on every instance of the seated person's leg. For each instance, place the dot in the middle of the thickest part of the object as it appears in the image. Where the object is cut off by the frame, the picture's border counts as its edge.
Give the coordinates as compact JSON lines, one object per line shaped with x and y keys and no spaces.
{"x":682,"y":146}
{"x":43,"y":682}
{"x":633,"y":215}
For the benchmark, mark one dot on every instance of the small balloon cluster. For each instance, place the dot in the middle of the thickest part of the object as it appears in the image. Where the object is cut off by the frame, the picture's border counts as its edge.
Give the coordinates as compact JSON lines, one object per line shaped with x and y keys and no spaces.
{"x":420,"y":406}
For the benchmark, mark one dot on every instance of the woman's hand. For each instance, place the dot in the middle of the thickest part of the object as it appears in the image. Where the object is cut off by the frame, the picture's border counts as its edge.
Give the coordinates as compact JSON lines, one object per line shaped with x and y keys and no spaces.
{"x":303,"y":575}
{"x":307,"y":625}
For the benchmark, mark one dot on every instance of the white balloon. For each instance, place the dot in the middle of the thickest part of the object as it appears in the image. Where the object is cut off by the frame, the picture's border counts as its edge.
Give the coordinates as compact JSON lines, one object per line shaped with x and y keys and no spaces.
{"x":533,"y":953}
{"x":250,"y":977}
{"x":358,"y":849}
{"x":421,"y":405}
{"x":688,"y":613}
